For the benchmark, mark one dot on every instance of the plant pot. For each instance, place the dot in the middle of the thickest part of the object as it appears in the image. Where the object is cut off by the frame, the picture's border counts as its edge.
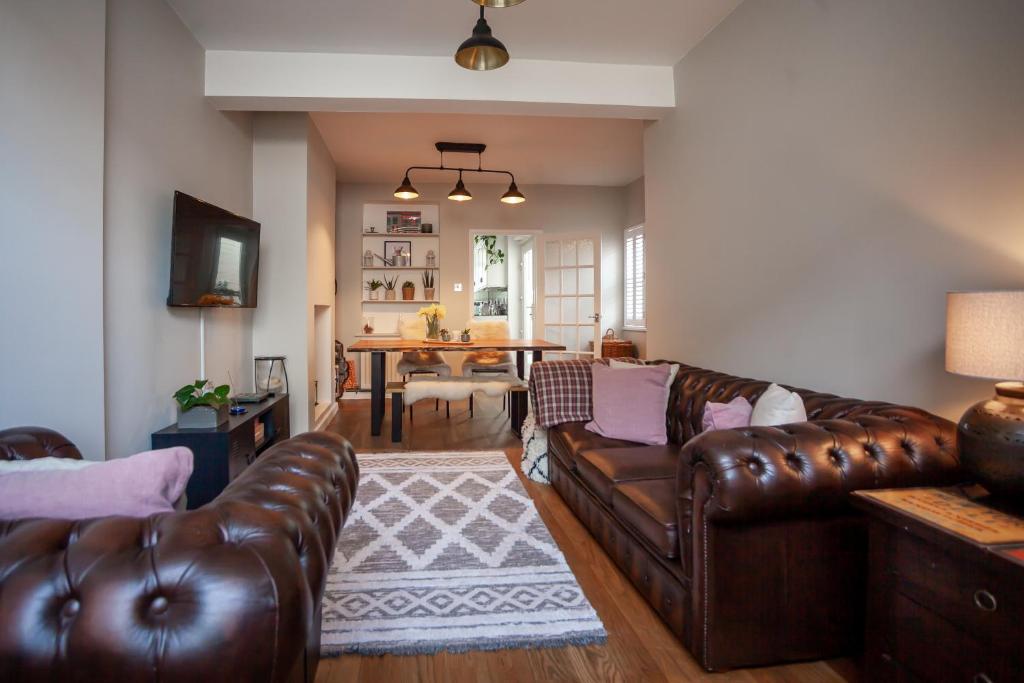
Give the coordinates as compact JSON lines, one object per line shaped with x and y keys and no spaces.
{"x":408,"y":293}
{"x":446,"y":336}
{"x":373,"y":295}
{"x":389,"y":295}
{"x":428,"y":293}
{"x":465,"y":338}
{"x":202,"y":417}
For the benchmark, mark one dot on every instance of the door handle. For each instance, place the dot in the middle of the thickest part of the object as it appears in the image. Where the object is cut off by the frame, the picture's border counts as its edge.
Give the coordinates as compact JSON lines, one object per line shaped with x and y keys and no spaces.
{"x":595,"y":317}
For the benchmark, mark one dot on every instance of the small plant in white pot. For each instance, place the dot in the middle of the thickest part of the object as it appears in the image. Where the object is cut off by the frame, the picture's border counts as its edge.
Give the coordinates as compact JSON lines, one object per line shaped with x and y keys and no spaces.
{"x":389,"y":288}
{"x":201,"y":405}
{"x":373,"y":289}
{"x":428,"y":285}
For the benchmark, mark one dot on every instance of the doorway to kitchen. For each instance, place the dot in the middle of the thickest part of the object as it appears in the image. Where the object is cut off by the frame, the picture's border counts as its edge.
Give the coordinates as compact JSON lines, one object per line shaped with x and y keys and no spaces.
{"x":505,"y":280}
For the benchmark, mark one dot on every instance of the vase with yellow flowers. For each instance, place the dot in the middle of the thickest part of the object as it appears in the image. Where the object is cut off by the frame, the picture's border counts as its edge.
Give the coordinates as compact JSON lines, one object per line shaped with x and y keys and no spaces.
{"x":433,"y":314}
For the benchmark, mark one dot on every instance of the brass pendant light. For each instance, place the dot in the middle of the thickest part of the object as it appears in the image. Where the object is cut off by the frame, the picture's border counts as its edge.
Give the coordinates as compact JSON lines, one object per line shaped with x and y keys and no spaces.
{"x":460,"y":193}
{"x":513,"y":196}
{"x":481,"y":51}
{"x":498,"y":3}
{"x":406,"y":190}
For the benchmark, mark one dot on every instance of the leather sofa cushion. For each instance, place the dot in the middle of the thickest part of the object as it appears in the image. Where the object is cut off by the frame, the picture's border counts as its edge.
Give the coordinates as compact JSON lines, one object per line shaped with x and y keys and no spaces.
{"x":649,"y":507}
{"x":567,"y":440}
{"x":603,"y":468}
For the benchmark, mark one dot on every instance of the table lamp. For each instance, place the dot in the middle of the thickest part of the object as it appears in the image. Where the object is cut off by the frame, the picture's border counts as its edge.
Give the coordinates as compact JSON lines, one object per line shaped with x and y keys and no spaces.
{"x":985,"y":338}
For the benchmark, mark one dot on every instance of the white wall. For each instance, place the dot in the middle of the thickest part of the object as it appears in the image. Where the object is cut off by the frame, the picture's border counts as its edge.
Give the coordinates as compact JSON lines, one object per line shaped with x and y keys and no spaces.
{"x":162,"y":136}
{"x":551,"y":208}
{"x":279,"y":204}
{"x":51,"y":217}
{"x":831,"y":170}
{"x":321,"y":187}
{"x":293,"y":199}
{"x":635,"y":213}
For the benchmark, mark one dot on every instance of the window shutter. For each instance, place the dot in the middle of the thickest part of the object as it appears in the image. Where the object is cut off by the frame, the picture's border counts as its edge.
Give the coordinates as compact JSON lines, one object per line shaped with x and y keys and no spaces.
{"x":634,"y":278}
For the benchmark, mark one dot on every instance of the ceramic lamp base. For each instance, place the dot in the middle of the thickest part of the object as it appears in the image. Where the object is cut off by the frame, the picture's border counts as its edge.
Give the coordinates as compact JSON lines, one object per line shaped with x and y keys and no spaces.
{"x":991,"y":441}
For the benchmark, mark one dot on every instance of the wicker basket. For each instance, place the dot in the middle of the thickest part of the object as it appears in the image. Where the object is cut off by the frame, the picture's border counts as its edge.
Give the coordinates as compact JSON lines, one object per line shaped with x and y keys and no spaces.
{"x":616,"y":348}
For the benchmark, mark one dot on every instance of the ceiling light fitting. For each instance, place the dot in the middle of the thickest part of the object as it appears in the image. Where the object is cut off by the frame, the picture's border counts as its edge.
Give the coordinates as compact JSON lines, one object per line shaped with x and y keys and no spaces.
{"x":498,"y":3}
{"x":460,"y":193}
{"x":482,"y":51}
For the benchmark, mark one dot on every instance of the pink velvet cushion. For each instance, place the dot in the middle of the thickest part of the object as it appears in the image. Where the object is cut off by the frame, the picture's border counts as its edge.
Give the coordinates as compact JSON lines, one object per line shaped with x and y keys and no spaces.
{"x":630,"y":404}
{"x":136,"y":486}
{"x":735,"y":413}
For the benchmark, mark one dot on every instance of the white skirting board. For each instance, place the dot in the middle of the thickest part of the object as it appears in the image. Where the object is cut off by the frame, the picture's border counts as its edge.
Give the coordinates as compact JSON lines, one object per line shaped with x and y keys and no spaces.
{"x":326,"y":418}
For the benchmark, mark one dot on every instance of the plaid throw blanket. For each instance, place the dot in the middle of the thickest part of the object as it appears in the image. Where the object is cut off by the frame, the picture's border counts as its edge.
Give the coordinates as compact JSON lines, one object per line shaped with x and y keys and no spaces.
{"x":560,"y":391}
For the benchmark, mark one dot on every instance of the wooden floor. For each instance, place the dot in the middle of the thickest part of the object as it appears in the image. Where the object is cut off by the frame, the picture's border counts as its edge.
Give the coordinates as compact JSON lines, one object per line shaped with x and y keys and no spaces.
{"x":639,"y":649}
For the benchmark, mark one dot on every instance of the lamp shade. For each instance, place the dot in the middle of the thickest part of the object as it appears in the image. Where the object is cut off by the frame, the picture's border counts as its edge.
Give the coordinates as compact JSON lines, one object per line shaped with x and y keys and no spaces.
{"x":985,"y":334}
{"x":482,"y":51}
{"x":498,"y":3}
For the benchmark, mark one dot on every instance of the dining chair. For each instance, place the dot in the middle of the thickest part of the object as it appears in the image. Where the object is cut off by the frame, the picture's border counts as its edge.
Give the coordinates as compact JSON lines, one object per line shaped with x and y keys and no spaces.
{"x":421,"y":362}
{"x":496,"y":363}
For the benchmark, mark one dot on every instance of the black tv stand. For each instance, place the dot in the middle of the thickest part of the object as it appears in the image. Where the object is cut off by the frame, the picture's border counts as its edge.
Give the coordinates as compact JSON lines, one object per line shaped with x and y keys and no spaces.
{"x":221,"y":454}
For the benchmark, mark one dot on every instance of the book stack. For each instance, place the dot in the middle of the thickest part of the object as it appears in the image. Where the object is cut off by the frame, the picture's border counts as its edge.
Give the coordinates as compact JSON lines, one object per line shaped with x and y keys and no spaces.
{"x":404,"y":230}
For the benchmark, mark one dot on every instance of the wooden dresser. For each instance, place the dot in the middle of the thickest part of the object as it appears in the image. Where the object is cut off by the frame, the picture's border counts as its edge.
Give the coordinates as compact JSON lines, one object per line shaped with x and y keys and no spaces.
{"x":945,"y":588}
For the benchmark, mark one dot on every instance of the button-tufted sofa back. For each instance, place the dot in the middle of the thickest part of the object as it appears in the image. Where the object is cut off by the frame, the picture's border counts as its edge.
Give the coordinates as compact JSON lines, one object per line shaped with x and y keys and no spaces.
{"x":694,"y":387}
{"x":29,"y":443}
{"x":228,"y":592}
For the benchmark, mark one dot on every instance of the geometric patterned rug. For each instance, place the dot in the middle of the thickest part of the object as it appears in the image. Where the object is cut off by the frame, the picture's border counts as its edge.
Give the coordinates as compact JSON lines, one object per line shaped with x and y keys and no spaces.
{"x":446,"y":551}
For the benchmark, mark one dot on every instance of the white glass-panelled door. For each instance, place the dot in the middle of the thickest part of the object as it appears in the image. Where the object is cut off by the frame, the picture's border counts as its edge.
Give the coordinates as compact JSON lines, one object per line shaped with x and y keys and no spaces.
{"x":570,"y":294}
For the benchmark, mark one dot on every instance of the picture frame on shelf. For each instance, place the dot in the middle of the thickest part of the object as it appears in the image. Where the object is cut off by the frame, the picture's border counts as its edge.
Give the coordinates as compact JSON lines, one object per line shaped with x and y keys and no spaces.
{"x":404,"y":221}
{"x":398,"y":252}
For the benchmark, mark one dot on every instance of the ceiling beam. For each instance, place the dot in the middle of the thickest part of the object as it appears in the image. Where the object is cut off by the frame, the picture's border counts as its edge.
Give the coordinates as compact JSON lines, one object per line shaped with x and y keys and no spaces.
{"x":309,"y":81}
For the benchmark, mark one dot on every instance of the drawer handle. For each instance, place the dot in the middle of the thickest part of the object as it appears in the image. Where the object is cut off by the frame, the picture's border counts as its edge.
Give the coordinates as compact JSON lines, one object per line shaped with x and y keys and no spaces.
{"x":987,"y":602}
{"x":981,"y":678}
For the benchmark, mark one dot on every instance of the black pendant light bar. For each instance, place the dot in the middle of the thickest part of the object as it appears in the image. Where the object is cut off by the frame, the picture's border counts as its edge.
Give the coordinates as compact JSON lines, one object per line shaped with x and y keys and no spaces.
{"x":460,"y":193}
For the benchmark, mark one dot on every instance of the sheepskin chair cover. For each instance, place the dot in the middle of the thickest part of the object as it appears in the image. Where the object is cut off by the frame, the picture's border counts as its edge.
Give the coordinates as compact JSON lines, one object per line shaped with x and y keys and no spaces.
{"x":415,"y":328}
{"x":455,"y":388}
{"x":489,"y":361}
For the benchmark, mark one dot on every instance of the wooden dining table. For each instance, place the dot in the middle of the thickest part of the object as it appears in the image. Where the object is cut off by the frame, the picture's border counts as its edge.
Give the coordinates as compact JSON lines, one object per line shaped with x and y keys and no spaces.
{"x":378,"y":348}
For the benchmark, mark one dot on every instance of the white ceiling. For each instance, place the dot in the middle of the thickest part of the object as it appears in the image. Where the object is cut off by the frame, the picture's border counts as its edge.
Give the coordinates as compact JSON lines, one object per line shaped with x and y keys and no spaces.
{"x":605,"y":31}
{"x":372,"y":148}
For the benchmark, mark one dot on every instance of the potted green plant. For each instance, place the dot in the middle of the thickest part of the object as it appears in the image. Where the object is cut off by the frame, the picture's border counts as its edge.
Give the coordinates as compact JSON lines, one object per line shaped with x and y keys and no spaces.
{"x":465,"y":335}
{"x":446,"y":334}
{"x":389,"y":287}
{"x":372,"y":287}
{"x":408,"y":290}
{"x":201,"y":405}
{"x":428,"y":285}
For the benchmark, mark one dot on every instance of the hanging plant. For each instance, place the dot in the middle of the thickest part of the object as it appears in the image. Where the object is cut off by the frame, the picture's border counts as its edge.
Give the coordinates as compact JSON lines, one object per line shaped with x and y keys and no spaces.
{"x":490,"y":242}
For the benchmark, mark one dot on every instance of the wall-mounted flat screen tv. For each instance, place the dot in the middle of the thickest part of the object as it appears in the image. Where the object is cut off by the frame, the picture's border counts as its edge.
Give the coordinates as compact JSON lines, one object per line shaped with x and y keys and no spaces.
{"x":215,"y":256}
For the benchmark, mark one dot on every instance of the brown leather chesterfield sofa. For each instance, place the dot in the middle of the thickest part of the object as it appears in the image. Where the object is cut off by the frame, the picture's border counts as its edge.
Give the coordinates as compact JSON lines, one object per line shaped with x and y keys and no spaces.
{"x":743,"y":540}
{"x":228,"y":592}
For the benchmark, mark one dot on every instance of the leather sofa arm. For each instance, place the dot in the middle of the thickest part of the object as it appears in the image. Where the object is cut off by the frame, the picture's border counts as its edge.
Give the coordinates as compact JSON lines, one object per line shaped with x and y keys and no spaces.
{"x":758,"y":473}
{"x":29,"y":443}
{"x":224,"y":593}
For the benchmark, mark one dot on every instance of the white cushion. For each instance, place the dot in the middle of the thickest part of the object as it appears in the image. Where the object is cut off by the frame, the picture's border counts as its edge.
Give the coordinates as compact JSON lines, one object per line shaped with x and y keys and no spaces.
{"x":623,"y":365}
{"x":43,"y":464}
{"x":483,"y":330}
{"x":778,"y":406}
{"x":412,"y":328}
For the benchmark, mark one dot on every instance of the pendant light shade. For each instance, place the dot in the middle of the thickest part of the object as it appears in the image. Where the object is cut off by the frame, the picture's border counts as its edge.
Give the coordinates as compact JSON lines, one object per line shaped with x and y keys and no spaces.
{"x":498,"y":3}
{"x":460,"y":193}
{"x":406,"y":190}
{"x":513,"y":196}
{"x":482,"y":51}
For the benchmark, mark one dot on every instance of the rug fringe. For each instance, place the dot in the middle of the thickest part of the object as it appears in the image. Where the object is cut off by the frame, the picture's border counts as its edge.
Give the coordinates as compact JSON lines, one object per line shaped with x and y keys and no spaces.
{"x":434,"y":648}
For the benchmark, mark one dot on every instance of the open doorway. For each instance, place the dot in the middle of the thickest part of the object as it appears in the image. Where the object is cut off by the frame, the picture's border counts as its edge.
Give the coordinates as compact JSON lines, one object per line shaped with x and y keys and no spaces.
{"x":504,"y":281}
